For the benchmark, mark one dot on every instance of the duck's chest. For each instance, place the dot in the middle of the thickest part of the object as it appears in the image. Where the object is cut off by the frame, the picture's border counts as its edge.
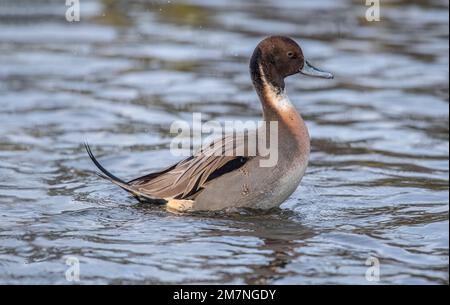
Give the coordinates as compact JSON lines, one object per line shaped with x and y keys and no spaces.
{"x":276,"y":183}
{"x":280,"y":182}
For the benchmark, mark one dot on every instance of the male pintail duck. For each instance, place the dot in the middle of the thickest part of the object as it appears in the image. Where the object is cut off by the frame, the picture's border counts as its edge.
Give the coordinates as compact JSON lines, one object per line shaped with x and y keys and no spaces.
{"x":208,"y":182}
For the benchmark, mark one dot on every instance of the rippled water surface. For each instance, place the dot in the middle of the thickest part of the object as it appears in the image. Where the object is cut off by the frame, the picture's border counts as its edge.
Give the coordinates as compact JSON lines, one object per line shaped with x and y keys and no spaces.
{"x":377,"y":185}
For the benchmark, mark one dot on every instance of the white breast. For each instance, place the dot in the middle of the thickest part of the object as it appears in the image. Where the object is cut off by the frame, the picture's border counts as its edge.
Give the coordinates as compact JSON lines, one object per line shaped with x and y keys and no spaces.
{"x":283,"y":187}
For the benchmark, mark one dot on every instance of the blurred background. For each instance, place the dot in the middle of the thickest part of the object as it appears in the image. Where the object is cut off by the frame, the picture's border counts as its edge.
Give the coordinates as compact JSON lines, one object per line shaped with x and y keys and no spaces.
{"x":377,"y":185}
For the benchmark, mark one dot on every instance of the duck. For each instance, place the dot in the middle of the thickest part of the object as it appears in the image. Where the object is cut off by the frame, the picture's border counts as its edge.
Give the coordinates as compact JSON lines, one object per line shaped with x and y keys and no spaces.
{"x":211,"y":182}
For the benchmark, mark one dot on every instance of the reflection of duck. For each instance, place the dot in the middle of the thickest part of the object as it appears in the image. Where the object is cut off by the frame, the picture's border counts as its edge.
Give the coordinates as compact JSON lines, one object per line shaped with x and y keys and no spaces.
{"x":210,"y":182}
{"x":276,"y":236}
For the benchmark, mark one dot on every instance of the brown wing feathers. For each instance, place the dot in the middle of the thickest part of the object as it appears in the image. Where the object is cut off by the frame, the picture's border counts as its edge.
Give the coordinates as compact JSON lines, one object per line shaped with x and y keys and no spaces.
{"x":184,"y":180}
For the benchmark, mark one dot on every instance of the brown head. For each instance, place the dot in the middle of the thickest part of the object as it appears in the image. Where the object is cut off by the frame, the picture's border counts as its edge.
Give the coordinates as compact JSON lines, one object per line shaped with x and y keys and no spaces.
{"x":276,"y":58}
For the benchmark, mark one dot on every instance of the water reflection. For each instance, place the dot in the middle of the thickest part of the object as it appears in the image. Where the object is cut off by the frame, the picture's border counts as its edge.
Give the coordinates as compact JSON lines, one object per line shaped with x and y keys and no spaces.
{"x":276,"y":234}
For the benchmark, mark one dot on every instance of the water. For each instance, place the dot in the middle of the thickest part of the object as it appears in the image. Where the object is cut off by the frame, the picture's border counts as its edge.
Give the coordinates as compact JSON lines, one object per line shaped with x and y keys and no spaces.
{"x":377,"y":185}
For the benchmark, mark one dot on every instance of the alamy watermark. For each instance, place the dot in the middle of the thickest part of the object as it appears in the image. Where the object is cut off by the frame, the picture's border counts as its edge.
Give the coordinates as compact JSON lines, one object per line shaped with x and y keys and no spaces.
{"x":72,"y":273}
{"x":373,"y":272}
{"x":233,"y":138}
{"x":73,"y":10}
{"x":373,"y":10}
{"x":230,"y":139}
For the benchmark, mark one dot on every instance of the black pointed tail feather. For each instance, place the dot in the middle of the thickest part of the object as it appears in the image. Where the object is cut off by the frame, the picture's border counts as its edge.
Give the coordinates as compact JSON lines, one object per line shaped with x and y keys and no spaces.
{"x":100,"y":167}
{"x":136,"y":193}
{"x":105,"y":174}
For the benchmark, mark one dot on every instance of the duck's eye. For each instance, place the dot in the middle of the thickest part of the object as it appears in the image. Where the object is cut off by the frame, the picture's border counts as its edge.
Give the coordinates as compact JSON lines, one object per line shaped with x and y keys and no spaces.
{"x":290,"y":54}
